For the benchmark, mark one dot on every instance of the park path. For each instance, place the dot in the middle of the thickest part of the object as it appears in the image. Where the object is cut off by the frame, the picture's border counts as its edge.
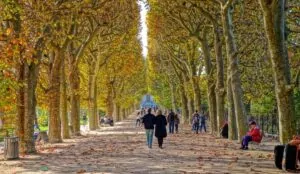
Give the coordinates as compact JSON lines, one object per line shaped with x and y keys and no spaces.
{"x":122,"y":149}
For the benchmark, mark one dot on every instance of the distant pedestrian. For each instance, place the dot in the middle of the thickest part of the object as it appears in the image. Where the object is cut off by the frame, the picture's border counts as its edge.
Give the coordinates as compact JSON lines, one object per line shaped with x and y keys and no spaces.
{"x":224,"y":130}
{"x":149,"y":120}
{"x":138,"y":119}
{"x":160,"y":128}
{"x":176,"y":122}
{"x":171,"y":121}
{"x":195,"y":122}
{"x":202,"y":120}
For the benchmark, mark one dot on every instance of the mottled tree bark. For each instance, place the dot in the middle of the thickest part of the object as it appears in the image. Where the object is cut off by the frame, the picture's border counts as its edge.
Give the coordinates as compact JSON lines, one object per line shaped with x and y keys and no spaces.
{"x":64,"y":103}
{"x":234,"y":73}
{"x":116,"y":111}
{"x":75,"y":98}
{"x":92,"y":101}
{"x":220,"y":91}
{"x":232,"y":130}
{"x":54,"y":96}
{"x":196,"y":92}
{"x":20,"y":130}
{"x":184,"y":105}
{"x":26,"y":101}
{"x":173,"y":91}
{"x":124,"y":113}
{"x":109,"y":101}
{"x":274,"y":20}
{"x":211,"y":95}
{"x":30,"y":106}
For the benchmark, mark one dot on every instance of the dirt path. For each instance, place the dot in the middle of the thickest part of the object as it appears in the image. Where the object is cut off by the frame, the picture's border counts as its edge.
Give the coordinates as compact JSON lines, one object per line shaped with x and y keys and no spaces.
{"x":122,"y":149}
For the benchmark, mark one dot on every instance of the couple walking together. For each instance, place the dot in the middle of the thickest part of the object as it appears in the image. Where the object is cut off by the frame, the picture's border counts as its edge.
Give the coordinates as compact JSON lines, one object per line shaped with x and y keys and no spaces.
{"x":160,"y":122}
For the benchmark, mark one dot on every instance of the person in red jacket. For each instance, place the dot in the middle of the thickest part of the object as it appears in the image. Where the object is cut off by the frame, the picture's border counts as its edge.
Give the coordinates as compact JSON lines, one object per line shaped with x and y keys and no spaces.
{"x":252,"y":135}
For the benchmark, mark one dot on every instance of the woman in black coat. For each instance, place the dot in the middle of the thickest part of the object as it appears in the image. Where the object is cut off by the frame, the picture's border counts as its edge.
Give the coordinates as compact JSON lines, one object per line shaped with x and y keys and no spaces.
{"x":160,"y":128}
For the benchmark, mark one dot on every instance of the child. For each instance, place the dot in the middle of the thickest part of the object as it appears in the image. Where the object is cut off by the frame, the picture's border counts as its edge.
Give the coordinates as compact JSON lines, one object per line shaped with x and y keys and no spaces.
{"x":252,"y":135}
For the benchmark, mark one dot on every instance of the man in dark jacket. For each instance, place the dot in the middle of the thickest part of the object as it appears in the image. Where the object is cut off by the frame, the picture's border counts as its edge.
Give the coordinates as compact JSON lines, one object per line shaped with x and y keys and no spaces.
{"x":149,"y":120}
{"x":171,"y":120}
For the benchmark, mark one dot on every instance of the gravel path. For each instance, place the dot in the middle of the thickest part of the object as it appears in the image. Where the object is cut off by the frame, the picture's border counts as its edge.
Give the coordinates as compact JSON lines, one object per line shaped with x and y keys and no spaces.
{"x":122,"y":149}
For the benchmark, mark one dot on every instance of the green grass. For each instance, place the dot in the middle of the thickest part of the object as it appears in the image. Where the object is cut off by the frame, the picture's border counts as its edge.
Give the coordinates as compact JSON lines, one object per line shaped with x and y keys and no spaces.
{"x":43,"y":128}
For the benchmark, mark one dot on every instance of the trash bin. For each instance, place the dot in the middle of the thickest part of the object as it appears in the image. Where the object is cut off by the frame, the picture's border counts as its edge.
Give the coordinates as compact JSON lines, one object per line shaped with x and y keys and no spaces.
{"x":11,"y":148}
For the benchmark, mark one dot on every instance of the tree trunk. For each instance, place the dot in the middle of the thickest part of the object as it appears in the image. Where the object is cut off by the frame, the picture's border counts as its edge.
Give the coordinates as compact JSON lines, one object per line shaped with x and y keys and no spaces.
{"x":75,"y":99}
{"x":190,"y":107}
{"x":211,"y":95}
{"x":96,"y":107}
{"x":92,"y":101}
{"x":173,"y":91}
{"x":26,"y":101}
{"x":64,"y":103}
{"x":184,"y":104}
{"x":274,"y":22}
{"x":196,"y":92}
{"x":234,"y":73}
{"x":124,"y":113}
{"x":54,"y":96}
{"x":109,"y":102}
{"x":212,"y":109}
{"x":220,"y":91}
{"x":116,"y":111}
{"x":30,"y":107}
{"x":20,"y":130}
{"x":232,"y":132}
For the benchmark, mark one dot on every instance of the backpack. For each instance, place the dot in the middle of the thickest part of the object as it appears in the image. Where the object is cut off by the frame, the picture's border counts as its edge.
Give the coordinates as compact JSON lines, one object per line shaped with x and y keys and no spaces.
{"x":196,"y":118}
{"x":172,"y":116}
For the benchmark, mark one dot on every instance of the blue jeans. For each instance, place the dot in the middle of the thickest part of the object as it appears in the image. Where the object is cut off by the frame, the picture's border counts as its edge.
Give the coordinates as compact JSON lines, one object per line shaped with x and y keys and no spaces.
{"x":171,"y":127}
{"x":246,"y":140}
{"x":202,"y":125}
{"x":149,"y":135}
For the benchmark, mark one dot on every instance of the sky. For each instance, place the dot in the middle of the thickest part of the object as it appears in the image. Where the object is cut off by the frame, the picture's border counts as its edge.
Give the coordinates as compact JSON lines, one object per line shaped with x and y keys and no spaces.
{"x":144,"y":29}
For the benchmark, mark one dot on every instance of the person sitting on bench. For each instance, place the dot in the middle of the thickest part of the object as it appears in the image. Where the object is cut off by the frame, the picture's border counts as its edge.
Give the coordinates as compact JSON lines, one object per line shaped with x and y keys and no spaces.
{"x":224,"y":130}
{"x":252,"y":135}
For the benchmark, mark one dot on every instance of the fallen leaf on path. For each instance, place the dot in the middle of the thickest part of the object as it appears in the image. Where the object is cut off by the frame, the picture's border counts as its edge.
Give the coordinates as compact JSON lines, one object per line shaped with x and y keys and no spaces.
{"x":200,"y":158}
{"x":81,"y":171}
{"x":235,"y":159}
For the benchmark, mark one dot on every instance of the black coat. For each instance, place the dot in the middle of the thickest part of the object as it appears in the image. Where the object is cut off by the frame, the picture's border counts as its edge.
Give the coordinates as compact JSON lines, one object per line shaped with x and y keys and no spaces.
{"x":160,"y":126}
{"x":149,"y":121}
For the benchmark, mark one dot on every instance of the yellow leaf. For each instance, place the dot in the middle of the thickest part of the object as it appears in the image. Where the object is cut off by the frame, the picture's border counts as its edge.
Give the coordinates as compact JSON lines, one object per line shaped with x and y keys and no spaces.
{"x":9,"y":31}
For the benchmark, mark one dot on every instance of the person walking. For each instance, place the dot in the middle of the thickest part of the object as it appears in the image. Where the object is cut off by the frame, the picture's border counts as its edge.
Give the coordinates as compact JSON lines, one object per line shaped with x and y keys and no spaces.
{"x":160,"y":128}
{"x":195,"y":122}
{"x":138,"y":119}
{"x":149,"y":120}
{"x":176,"y":122}
{"x":202,"y":122}
{"x":171,"y":121}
